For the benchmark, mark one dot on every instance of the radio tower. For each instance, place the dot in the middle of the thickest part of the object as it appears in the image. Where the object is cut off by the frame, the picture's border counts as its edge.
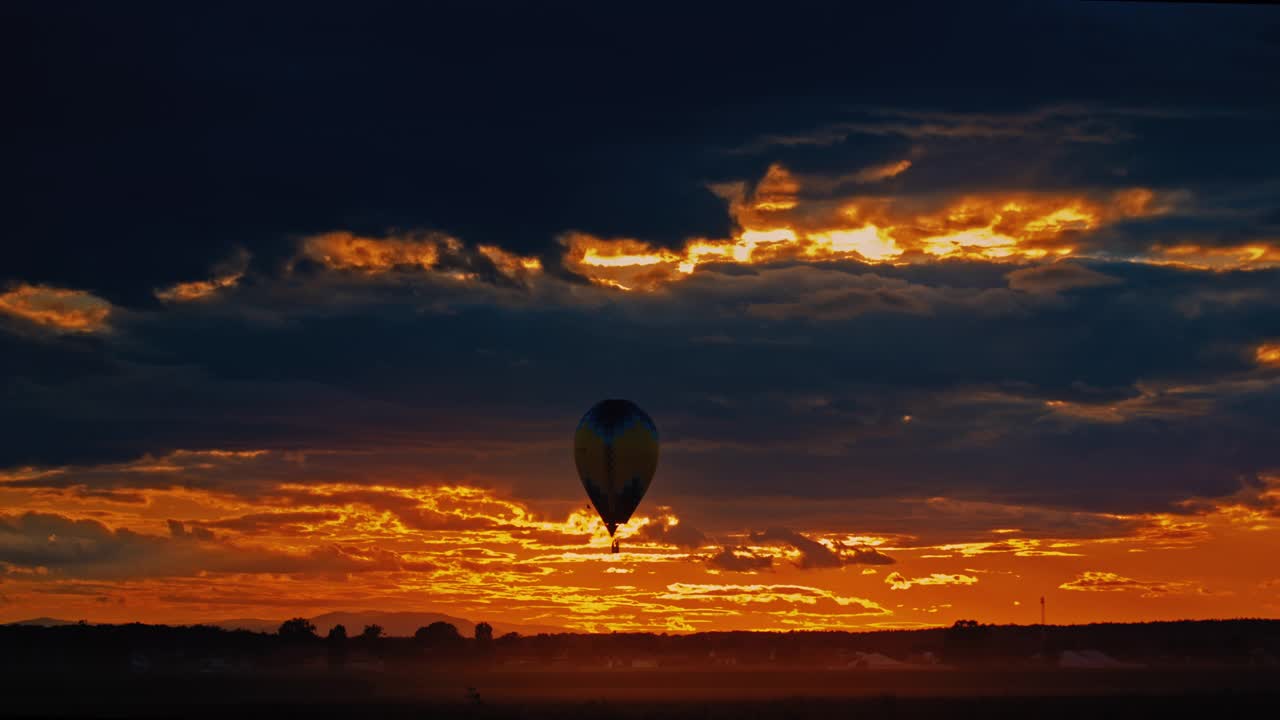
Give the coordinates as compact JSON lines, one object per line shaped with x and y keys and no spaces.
{"x":1044,"y":634}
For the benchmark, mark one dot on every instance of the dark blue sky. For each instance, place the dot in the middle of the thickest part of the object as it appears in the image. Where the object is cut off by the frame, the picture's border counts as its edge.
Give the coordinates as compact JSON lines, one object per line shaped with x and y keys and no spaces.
{"x":148,"y":145}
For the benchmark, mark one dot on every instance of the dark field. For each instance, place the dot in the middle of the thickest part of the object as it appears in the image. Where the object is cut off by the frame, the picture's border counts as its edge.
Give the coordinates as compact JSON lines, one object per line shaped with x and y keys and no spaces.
{"x":1209,"y":670}
{"x":762,"y":693}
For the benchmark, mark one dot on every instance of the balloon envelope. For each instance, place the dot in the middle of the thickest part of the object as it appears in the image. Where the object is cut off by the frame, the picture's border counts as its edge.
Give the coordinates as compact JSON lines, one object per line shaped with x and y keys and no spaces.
{"x":616,"y":450}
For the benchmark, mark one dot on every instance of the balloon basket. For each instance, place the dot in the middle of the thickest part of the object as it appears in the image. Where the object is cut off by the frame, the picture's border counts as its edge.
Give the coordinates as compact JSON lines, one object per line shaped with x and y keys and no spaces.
{"x":615,"y":547}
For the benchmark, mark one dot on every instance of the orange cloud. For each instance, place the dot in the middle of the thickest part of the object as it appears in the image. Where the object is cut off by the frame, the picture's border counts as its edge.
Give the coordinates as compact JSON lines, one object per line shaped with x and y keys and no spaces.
{"x":1268,"y":354}
{"x":776,"y":190}
{"x":776,"y":225}
{"x":67,"y":547}
{"x":1100,"y":581}
{"x":823,"y":185}
{"x":898,"y":581}
{"x":57,"y":308}
{"x":345,"y":251}
{"x":1256,"y":506}
{"x":509,"y":263}
{"x":776,"y":222}
{"x":295,"y":542}
{"x":197,"y":290}
{"x":1152,"y":401}
{"x":877,"y":173}
{"x":227,"y":274}
{"x":1256,"y":255}
{"x":767,"y":594}
{"x":440,"y":254}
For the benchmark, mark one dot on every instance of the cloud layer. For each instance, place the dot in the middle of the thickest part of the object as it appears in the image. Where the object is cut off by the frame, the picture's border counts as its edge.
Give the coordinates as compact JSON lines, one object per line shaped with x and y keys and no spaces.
{"x":328,"y":299}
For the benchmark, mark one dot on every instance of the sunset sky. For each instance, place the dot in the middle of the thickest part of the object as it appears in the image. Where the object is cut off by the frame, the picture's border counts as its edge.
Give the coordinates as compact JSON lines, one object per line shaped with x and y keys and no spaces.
{"x":938,"y":310}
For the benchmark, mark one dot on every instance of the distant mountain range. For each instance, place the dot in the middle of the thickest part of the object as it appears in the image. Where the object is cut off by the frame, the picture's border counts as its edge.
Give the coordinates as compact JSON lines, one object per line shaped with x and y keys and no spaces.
{"x":43,"y":622}
{"x":394,"y":624}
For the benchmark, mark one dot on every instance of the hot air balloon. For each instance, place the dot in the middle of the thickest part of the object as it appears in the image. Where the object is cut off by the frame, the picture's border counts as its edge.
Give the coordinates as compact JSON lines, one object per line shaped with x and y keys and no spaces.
{"x":616,"y":451}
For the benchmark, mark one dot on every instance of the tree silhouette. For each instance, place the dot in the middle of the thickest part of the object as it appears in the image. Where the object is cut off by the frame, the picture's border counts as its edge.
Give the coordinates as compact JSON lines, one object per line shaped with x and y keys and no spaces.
{"x":371,"y":632}
{"x":484,"y":633}
{"x":337,"y":642}
{"x":966,"y":641}
{"x":437,"y":634}
{"x":297,"y":629}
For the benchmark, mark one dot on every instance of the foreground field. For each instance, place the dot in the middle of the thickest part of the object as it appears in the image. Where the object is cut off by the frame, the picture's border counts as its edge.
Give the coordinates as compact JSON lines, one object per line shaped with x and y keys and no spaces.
{"x":652,"y":694}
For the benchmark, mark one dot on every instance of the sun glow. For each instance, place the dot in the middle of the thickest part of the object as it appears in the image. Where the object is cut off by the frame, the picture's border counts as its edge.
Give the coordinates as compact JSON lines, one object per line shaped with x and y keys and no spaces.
{"x":185,"y":554}
{"x":870,"y":243}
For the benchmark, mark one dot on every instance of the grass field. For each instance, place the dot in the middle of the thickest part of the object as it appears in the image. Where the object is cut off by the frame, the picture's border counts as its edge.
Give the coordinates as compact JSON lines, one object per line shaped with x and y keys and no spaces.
{"x":653,"y":694}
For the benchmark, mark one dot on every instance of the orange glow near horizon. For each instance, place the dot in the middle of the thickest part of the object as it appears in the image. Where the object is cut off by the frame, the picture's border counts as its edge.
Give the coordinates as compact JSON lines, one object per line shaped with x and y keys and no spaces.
{"x":189,"y":555}
{"x":204,"y":535}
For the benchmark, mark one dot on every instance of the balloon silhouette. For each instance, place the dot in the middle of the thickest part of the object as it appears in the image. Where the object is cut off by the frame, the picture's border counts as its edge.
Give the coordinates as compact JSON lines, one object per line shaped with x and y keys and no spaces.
{"x":616,"y":450}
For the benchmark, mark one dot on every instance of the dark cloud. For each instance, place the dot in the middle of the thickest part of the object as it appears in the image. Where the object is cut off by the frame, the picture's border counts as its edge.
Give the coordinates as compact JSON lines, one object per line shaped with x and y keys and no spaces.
{"x":870,"y":556}
{"x":117,"y":496}
{"x":1261,"y":494}
{"x":179,"y":530}
{"x":813,"y":554}
{"x":1159,"y":396}
{"x":68,"y":548}
{"x":1064,"y":123}
{"x":842,"y":304}
{"x":186,"y":138}
{"x":738,"y":560}
{"x":254,"y":523}
{"x":1057,"y":278}
{"x":165,"y":147}
{"x":681,"y":535}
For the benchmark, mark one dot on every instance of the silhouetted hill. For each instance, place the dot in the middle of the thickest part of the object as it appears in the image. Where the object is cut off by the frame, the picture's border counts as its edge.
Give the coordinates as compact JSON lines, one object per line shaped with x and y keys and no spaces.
{"x":43,"y":622}
{"x":394,"y":624}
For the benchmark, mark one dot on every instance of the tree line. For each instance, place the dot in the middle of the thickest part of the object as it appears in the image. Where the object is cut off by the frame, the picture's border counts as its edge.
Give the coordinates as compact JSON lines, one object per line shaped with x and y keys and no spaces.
{"x":298,"y":643}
